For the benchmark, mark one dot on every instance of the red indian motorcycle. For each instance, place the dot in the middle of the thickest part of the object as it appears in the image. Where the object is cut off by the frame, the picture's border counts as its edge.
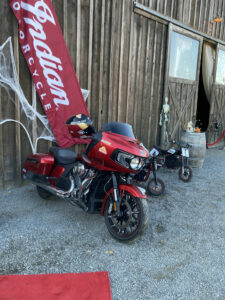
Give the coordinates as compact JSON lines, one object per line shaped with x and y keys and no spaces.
{"x":99,"y":179}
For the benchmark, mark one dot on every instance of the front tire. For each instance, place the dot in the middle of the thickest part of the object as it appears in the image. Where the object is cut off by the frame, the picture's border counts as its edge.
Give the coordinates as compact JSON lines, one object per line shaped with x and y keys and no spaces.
{"x":132,"y":221}
{"x":156,"y":188}
{"x":186,"y":175}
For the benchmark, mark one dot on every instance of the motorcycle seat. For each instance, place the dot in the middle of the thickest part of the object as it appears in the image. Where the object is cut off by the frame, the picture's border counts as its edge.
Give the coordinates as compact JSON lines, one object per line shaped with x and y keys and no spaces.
{"x":63,"y":156}
{"x":161,"y":151}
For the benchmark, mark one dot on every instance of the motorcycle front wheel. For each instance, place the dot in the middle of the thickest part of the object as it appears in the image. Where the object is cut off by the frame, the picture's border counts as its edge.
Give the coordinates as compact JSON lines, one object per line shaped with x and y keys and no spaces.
{"x":133,"y":219}
{"x":185,"y":175}
{"x":156,"y":188}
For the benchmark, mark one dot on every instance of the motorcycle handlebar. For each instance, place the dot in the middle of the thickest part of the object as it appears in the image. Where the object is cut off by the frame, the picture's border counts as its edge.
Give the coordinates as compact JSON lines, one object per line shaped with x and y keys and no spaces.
{"x":180,"y":145}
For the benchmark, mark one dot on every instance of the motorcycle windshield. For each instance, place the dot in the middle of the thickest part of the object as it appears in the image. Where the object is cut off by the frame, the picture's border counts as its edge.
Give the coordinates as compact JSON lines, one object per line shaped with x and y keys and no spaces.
{"x":119,"y":128}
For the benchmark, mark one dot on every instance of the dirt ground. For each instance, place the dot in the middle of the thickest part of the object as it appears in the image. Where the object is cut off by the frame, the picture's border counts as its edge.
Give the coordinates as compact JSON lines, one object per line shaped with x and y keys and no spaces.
{"x":180,"y":256}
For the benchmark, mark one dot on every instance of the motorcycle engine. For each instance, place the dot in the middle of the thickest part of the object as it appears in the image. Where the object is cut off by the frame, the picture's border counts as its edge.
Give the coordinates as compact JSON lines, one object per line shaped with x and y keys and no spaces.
{"x":83,"y":178}
{"x":79,"y":170}
{"x":172,"y":162}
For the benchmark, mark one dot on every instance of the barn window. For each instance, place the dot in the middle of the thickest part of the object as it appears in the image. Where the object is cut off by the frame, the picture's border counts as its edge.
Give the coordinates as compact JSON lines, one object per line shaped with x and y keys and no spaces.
{"x":183,"y":56}
{"x":220,"y":73}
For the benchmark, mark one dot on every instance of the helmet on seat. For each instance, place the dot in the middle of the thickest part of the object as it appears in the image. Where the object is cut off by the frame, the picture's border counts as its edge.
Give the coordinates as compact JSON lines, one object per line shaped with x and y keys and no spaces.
{"x":79,"y":126}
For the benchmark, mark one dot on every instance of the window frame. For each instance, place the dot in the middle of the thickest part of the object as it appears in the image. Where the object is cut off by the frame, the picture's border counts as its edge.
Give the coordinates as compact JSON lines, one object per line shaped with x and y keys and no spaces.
{"x":222,"y":48}
{"x":173,"y":28}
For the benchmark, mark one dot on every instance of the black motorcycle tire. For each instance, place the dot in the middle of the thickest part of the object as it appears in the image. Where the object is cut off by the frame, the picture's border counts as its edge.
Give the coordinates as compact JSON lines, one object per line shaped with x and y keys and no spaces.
{"x":43,"y":193}
{"x":187,"y":174}
{"x":120,"y":228}
{"x":156,"y":190}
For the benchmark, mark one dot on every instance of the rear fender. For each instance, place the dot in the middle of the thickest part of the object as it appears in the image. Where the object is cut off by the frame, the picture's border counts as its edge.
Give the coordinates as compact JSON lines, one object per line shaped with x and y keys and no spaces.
{"x":130,"y":188}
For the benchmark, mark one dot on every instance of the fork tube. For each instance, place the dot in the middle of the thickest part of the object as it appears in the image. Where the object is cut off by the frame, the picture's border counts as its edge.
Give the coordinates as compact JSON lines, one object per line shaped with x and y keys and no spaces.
{"x":182,"y":163}
{"x":154,"y":169}
{"x":116,"y":196}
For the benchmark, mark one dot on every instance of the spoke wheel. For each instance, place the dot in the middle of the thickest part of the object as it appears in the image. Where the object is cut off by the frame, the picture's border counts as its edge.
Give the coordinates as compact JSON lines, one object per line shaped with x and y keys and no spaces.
{"x":186,"y":175}
{"x":133,"y":217}
{"x":156,"y":188}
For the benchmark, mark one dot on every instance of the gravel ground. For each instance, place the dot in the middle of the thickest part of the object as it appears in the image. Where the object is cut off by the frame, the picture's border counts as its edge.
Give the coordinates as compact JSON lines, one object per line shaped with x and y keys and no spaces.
{"x":180,"y":256}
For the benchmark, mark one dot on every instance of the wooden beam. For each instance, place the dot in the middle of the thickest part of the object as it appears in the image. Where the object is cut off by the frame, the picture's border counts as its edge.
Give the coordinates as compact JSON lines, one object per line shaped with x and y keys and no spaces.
{"x":153,"y":15}
{"x":1,"y":144}
{"x":78,"y":38}
{"x":17,"y":108}
{"x":34,"y":122}
{"x":101,"y":66}
{"x":90,"y":51}
{"x":65,"y":31}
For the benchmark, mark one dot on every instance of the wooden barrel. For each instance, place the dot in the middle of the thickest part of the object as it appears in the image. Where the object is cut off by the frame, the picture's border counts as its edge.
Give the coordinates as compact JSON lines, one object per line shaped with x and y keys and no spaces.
{"x":198,"y":147}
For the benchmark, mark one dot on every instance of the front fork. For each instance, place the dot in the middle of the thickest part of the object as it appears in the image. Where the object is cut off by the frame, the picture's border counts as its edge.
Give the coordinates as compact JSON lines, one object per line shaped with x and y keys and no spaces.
{"x":184,"y":161}
{"x":117,"y":198}
{"x":154,"y":169}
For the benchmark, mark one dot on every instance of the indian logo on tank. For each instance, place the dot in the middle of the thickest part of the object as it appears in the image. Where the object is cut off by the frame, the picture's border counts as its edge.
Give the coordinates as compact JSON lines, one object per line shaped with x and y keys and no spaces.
{"x":102,"y":150}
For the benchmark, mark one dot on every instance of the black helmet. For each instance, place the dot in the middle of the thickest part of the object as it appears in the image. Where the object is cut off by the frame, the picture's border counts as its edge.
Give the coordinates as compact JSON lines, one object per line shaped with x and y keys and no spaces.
{"x":79,"y":126}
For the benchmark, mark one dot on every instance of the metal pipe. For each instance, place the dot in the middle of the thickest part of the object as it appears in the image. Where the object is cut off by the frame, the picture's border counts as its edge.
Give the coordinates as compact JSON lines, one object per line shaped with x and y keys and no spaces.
{"x":55,"y":190}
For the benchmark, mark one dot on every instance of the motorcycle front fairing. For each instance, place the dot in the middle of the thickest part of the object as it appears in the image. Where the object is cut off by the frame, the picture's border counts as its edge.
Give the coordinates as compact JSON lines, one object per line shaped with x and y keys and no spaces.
{"x":117,"y":139}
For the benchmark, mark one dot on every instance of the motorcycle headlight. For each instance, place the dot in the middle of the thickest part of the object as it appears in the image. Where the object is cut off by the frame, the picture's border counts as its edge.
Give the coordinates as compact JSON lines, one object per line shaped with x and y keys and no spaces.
{"x":134,"y":163}
{"x":124,"y":159}
{"x":129,"y":161}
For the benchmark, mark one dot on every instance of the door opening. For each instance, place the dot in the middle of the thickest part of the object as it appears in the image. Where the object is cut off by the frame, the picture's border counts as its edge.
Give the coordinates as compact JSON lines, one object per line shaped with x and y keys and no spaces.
{"x":203,"y":106}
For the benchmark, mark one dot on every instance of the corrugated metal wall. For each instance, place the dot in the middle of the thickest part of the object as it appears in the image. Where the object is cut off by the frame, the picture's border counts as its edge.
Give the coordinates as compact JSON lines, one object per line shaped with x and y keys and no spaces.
{"x":119,"y":56}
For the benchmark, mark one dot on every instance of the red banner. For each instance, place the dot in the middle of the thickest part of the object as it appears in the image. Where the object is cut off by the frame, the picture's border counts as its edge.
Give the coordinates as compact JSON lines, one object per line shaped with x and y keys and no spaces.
{"x":47,"y":56}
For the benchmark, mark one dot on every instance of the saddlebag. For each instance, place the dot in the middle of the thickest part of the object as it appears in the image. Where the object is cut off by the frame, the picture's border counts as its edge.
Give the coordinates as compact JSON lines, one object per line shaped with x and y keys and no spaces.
{"x":38,"y":166}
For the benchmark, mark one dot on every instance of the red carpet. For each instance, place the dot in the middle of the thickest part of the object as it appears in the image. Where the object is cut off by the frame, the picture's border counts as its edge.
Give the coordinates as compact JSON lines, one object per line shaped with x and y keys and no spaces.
{"x":88,"y":286}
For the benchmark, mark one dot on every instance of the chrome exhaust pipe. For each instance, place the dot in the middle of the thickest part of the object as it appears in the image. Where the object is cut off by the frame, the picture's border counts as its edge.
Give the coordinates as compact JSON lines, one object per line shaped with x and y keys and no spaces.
{"x":55,"y":191}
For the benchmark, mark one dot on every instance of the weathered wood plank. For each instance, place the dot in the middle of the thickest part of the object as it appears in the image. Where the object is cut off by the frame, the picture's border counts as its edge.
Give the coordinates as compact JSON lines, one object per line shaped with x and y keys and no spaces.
{"x":132,"y":69}
{"x":115,"y":60}
{"x":101,"y":65}
{"x":141,"y":66}
{"x":96,"y":62}
{"x":84,"y":43}
{"x":162,"y":65}
{"x":90,"y":54}
{"x":65,"y":21}
{"x":1,"y":145}
{"x":72,"y":29}
{"x":222,"y":26}
{"x":157,"y":88}
{"x":200,"y":9}
{"x":105,"y":79}
{"x":78,"y":50}
{"x":17,"y":110}
{"x":152,"y":81}
{"x":145,"y":130}
{"x":124,"y":59}
{"x":8,"y":108}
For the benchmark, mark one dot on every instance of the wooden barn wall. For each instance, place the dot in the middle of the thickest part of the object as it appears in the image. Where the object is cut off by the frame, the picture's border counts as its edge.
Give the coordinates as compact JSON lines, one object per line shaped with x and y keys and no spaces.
{"x":198,"y":14}
{"x":119,"y":56}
